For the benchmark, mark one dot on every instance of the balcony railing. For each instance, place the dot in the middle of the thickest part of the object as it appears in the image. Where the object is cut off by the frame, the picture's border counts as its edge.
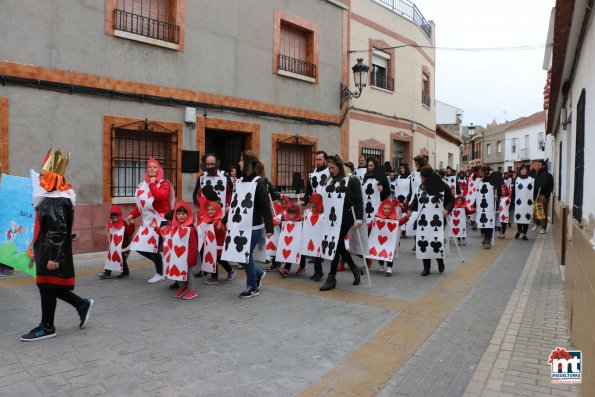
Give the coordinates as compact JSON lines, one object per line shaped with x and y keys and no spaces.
{"x":144,"y":26}
{"x":297,"y":66}
{"x":410,"y":11}
{"x":382,"y":81}
{"x":426,"y":99}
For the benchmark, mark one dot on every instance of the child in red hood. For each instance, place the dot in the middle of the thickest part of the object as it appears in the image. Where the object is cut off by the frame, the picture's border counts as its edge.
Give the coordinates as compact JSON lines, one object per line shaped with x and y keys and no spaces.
{"x":292,"y":214}
{"x":461,"y":202}
{"x":212,"y":215}
{"x":316,"y":208}
{"x":506,"y":193}
{"x":182,"y":219}
{"x":117,"y":222}
{"x":388,"y":210}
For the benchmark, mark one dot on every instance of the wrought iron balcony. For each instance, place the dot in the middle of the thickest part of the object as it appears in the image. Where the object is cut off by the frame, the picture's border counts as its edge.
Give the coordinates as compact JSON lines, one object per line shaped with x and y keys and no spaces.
{"x":297,"y":66}
{"x":382,"y":81}
{"x":144,"y":26}
{"x":426,"y":99}
{"x":409,"y":11}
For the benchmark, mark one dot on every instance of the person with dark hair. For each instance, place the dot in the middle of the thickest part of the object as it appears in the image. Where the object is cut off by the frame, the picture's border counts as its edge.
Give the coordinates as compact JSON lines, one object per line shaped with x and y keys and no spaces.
{"x":434,"y":196}
{"x":544,"y":186}
{"x":522,"y":197}
{"x":351,"y":166}
{"x":213,"y":180}
{"x":352,"y":199}
{"x":419,"y":161}
{"x":54,"y":201}
{"x":375,"y":181}
{"x":362,"y":167}
{"x":387,"y":167}
{"x":487,"y":179}
{"x":259,"y":209}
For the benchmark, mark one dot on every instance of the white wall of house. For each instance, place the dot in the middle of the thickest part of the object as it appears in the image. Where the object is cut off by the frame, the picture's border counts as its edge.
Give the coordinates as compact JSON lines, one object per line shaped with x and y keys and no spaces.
{"x":529,"y":141}
{"x":447,"y":114}
{"x":447,"y":153}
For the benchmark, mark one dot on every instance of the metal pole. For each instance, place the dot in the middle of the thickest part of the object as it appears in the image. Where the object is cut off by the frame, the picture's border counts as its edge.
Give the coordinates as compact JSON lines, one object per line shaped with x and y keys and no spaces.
{"x":361,"y":244}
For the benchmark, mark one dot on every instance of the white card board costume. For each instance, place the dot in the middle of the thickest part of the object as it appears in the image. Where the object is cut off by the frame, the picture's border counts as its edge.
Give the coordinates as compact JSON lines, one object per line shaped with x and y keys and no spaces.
{"x":371,"y":198}
{"x":504,"y":210}
{"x":429,"y":236}
{"x":485,"y":215}
{"x":312,"y":229}
{"x":457,"y":222}
{"x":333,"y":200}
{"x":176,"y":253}
{"x":383,"y":239}
{"x":217,"y":184}
{"x":115,"y":255}
{"x":523,"y":200}
{"x":147,"y":238}
{"x":290,"y":241}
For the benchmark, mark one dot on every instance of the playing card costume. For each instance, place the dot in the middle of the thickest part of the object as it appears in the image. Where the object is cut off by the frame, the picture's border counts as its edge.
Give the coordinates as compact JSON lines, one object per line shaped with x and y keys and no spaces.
{"x":312,"y":234}
{"x":214,"y":232}
{"x":430,"y":203}
{"x":503,"y":218}
{"x":402,"y":185}
{"x":316,"y":181}
{"x":120,"y":235}
{"x":153,"y":200}
{"x":523,"y":199}
{"x":488,"y":194}
{"x":383,"y":241}
{"x":342,"y":193}
{"x":54,"y":202}
{"x":457,"y":220}
{"x":213,"y":183}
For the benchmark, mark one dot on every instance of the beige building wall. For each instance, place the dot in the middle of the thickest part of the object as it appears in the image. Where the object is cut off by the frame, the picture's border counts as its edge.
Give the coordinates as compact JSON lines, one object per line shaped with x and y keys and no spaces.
{"x":389,"y":112}
{"x":443,"y":149}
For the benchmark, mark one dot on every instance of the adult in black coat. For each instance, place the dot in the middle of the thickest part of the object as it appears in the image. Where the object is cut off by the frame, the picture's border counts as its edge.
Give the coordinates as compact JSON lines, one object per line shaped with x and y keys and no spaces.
{"x":544,"y":186}
{"x":353,"y":199}
{"x":376,"y":171}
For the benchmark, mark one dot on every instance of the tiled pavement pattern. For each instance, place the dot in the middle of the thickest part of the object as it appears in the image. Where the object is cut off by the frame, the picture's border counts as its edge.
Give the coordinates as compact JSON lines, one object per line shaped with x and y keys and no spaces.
{"x":533,"y":324}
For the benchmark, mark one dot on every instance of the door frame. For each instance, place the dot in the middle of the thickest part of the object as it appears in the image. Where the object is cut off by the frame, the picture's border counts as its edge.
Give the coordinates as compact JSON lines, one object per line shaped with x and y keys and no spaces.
{"x":252,"y":131}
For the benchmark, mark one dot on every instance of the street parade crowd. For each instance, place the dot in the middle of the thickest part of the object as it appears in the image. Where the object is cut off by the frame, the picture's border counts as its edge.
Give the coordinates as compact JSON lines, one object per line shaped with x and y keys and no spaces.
{"x":236,"y":219}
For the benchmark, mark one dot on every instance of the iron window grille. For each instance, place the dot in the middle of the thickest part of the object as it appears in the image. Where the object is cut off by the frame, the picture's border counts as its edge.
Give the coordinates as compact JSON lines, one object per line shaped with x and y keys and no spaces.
{"x":426,"y":99}
{"x":378,"y":154}
{"x":145,"y":26}
{"x":132,"y":145}
{"x":579,"y":160}
{"x":295,"y":155}
{"x":379,"y":78}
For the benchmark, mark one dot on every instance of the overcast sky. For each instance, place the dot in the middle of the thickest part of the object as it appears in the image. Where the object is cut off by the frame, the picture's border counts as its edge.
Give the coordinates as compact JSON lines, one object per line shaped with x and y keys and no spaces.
{"x":487,"y":84}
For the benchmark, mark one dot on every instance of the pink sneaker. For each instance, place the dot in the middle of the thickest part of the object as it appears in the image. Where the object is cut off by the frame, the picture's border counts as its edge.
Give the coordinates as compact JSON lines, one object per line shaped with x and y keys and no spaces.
{"x":180,"y":292}
{"x":300,"y":270}
{"x":190,"y":295}
{"x":283,"y":272}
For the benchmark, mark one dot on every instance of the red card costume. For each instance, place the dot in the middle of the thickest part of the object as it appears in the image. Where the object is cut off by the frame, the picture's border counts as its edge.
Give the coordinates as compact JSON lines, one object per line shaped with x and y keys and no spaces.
{"x":153,"y":200}
{"x":384,"y":233}
{"x":120,"y":235}
{"x":288,"y":250}
{"x":457,"y":219}
{"x":214,"y":236}
{"x":180,"y":245}
{"x":312,"y":228}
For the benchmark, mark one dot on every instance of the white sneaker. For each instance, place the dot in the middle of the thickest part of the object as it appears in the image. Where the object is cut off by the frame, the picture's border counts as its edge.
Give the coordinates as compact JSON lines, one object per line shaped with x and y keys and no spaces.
{"x":535,"y":226}
{"x":381,"y":268}
{"x":389,"y":271}
{"x":156,"y":278}
{"x":541,"y":231}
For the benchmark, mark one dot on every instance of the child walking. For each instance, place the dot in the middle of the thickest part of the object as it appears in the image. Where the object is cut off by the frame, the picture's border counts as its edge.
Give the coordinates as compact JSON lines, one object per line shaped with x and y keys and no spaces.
{"x":213,"y":215}
{"x":292,"y":214}
{"x":388,"y":210}
{"x":118,"y":241}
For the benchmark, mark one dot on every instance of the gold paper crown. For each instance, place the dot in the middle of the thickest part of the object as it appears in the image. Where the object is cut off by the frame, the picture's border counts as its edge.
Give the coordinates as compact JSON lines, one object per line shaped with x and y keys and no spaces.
{"x":55,"y":162}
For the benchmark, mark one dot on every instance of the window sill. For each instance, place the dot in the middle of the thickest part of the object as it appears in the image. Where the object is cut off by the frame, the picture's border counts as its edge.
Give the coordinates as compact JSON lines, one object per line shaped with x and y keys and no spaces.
{"x":123,"y":200}
{"x":381,"y":89}
{"x":145,"y":39}
{"x":296,"y":76}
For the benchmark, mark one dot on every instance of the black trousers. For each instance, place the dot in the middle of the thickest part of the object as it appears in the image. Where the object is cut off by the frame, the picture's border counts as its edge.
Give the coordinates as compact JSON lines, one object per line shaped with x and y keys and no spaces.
{"x":49,"y":299}
{"x":342,"y":252}
{"x":428,"y":262}
{"x":302,"y":264}
{"x":225,"y":265}
{"x":156,"y":258}
{"x":522,"y":228}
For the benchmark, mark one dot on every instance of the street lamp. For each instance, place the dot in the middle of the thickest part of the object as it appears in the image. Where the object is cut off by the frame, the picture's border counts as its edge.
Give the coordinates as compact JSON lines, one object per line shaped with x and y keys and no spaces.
{"x":360,"y":78}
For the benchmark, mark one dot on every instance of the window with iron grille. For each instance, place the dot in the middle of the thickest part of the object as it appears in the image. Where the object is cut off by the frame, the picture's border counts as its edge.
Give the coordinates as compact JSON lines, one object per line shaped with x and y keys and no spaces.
{"x":296,"y":53}
{"x":150,"y":18}
{"x":378,"y":154}
{"x":579,"y":160}
{"x":131,"y":147}
{"x":426,"y":99}
{"x":295,"y":160}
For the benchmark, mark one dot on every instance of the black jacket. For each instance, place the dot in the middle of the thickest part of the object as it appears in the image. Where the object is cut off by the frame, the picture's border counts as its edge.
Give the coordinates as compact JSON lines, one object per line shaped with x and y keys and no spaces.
{"x":262,"y":204}
{"x":54,"y":243}
{"x":544,"y":181}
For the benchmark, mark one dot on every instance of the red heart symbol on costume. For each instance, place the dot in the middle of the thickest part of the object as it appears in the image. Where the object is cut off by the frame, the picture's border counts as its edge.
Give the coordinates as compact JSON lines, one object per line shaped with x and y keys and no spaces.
{"x":116,"y":257}
{"x":152,"y":241}
{"x":286,"y":253}
{"x":314,"y":219}
{"x":507,"y":201}
{"x":167,"y":270}
{"x":456,"y":230}
{"x":271,"y":246}
{"x":170,"y":243}
{"x":456,"y":212}
{"x":136,"y":239}
{"x":210,"y":235}
{"x":165,"y":250}
{"x":373,"y":251}
{"x":288,"y":239}
{"x":318,"y":250}
{"x":383,"y":254}
{"x":174,"y":271}
{"x":183,"y":273}
{"x":504,"y":218}
{"x":456,"y":222}
{"x":311,"y":246}
{"x":168,"y":258}
{"x":142,"y":203}
{"x":391,"y":226}
{"x":139,"y":192}
{"x":179,"y":250}
{"x":209,"y":258}
{"x":290,"y":227}
{"x":145,"y":231}
{"x":118,"y":239}
{"x":501,"y":208}
{"x":380,"y":224}
{"x":382,"y":239}
{"x":149,"y":195}
{"x":182,"y":231}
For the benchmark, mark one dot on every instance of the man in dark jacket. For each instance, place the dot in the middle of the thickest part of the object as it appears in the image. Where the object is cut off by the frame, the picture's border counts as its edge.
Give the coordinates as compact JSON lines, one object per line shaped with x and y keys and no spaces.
{"x":544,"y":186}
{"x":52,"y":247}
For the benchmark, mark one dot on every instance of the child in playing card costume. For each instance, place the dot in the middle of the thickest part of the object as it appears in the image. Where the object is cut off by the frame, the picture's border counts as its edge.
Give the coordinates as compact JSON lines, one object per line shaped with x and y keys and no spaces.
{"x":487,"y":203}
{"x":181,"y":247}
{"x":54,"y":202}
{"x":292,"y":214}
{"x":213,"y":215}
{"x":120,"y":235}
{"x":316,"y":210}
{"x":458,"y":219}
{"x":388,"y":210}
{"x":504,"y":209}
{"x":154,"y":197}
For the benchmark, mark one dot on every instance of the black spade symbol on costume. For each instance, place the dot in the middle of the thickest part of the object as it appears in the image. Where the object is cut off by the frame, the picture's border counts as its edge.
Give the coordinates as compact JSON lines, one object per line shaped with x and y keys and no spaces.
{"x":324,"y":244}
{"x":529,"y":186}
{"x":517,"y":216}
{"x":237,"y":218}
{"x":207,"y":189}
{"x":247,"y":202}
{"x":529,"y":202}
{"x":314,"y":182}
{"x":332,"y":216}
{"x":519,"y":201}
{"x":436,"y":222}
{"x":520,"y":186}
{"x":436,"y":245}
{"x":423,"y":245}
{"x":331,"y":246}
{"x":369,"y":191}
{"x":227,"y":239}
{"x":369,"y":209}
{"x":484,"y":189}
{"x":528,"y":216}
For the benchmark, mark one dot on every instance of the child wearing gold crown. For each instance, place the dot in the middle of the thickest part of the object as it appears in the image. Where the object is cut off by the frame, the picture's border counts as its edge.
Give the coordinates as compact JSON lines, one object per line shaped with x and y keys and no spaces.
{"x":54,"y":203}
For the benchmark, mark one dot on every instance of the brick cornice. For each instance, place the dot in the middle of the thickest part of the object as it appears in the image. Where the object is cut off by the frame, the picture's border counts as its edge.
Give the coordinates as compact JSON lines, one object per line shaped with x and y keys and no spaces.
{"x":14,"y":69}
{"x":4,"y":158}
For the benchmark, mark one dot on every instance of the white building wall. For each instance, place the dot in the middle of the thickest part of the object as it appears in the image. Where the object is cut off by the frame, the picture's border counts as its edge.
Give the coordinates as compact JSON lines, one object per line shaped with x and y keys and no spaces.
{"x":443,"y":149}
{"x":447,"y":114}
{"x":534,"y":151}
